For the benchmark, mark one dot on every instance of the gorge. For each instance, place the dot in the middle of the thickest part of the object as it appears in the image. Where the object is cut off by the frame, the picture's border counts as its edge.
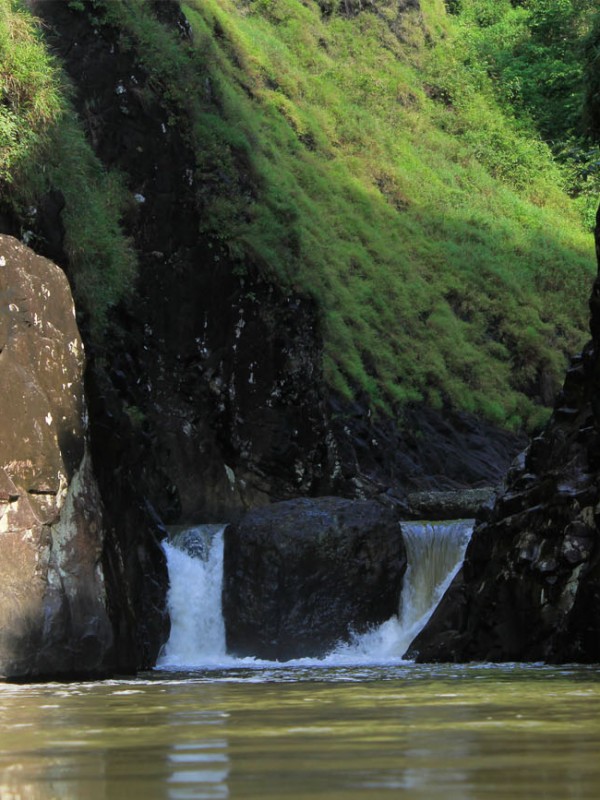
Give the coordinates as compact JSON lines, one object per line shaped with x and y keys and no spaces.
{"x":221,"y":384}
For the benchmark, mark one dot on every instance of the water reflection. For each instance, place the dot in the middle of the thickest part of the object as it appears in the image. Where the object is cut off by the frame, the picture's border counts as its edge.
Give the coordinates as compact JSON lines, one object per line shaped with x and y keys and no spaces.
{"x":199,"y":771}
{"x":101,"y":741}
{"x":458,"y":733}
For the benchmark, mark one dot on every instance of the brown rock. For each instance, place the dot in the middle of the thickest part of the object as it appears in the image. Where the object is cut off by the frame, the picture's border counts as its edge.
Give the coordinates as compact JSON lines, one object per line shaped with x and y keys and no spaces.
{"x":53,"y":618}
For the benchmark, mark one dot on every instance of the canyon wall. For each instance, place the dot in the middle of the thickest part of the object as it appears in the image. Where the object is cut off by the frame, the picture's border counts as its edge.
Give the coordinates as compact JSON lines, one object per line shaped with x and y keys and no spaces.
{"x":211,"y":378}
{"x":205,"y":394}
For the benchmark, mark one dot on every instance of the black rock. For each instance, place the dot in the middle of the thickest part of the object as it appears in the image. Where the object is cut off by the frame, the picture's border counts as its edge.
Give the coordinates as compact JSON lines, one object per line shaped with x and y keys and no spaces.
{"x":302,"y":575}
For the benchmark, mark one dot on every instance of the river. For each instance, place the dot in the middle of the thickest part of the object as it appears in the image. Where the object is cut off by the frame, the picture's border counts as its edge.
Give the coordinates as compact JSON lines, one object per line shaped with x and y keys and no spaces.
{"x":359,"y":723}
{"x":295,"y":733}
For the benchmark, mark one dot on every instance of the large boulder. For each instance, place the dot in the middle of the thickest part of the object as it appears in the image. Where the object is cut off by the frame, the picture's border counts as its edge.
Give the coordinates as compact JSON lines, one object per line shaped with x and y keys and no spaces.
{"x":53,"y":611}
{"x":302,"y":575}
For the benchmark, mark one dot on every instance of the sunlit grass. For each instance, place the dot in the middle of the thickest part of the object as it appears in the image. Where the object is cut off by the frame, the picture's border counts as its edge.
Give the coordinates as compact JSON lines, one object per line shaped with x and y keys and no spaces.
{"x":29,"y":96}
{"x":385,"y":181}
{"x":42,"y":147}
{"x":362,"y":160}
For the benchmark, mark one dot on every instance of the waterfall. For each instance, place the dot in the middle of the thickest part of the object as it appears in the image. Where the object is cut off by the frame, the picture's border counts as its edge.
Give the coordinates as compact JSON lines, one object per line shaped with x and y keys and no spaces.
{"x":435,"y":551}
{"x":195,"y":562}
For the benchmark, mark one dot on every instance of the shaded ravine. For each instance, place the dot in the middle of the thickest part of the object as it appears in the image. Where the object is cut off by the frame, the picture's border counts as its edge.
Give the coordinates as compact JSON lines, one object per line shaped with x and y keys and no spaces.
{"x":195,"y":561}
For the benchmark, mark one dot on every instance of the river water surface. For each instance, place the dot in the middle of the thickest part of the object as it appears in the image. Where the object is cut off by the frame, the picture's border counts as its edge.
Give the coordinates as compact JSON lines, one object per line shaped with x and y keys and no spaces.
{"x":294,"y":733}
{"x":358,"y":723}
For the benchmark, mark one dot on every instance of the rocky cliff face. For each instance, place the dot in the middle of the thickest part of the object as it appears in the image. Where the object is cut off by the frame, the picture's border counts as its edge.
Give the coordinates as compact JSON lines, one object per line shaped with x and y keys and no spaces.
{"x":54,"y":615}
{"x":530,"y":585}
{"x":205,"y":396}
{"x":75,"y":598}
{"x":213,"y":377}
{"x":211,"y":381}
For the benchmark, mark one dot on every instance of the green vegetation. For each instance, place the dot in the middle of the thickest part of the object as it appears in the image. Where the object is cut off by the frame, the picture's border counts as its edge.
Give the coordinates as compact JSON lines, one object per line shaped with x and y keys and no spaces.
{"x":380,"y":162}
{"x":42,"y":146}
{"x":29,"y":96}
{"x":592,"y":80}
{"x":532,"y":53}
{"x":376,"y":168}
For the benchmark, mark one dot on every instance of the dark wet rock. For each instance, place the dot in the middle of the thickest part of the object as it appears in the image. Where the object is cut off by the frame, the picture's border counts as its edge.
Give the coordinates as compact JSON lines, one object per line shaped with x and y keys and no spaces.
{"x":460,"y":504}
{"x":53,"y":604}
{"x":529,"y":588}
{"x":196,"y":541}
{"x":170,"y":14}
{"x":302,"y":575}
{"x":430,"y":451}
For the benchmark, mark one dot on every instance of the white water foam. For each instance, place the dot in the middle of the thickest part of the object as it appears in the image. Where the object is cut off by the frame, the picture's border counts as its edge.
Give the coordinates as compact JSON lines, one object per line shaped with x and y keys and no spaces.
{"x":194,"y":600}
{"x":435,"y":551}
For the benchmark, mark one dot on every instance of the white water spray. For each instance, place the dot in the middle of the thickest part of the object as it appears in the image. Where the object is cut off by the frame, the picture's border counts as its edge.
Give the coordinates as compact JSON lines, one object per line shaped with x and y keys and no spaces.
{"x":435,"y":551}
{"x":195,"y":562}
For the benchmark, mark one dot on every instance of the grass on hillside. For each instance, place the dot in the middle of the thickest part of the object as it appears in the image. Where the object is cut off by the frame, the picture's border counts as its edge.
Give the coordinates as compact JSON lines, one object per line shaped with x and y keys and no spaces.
{"x":372,"y":167}
{"x":362,"y":159}
{"x":42,"y":146}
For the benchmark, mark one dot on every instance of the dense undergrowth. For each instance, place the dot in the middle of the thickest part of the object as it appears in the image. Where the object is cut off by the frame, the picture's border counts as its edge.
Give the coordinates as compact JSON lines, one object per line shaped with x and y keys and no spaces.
{"x":368,"y":157}
{"x":533,"y":54}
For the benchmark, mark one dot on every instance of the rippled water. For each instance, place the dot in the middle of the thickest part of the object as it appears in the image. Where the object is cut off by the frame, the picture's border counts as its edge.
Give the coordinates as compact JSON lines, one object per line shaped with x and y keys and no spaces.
{"x":294,"y":733}
{"x":359,"y":723}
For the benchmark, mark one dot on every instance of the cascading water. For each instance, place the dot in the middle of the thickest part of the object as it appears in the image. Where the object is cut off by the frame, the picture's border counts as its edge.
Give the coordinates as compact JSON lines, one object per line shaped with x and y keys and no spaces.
{"x":435,"y":551}
{"x":195,"y":562}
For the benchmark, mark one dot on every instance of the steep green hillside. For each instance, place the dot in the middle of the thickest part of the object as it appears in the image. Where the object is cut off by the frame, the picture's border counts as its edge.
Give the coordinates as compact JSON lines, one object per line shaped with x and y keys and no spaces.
{"x":42,"y":146}
{"x":360,"y":153}
{"x":532,"y":52}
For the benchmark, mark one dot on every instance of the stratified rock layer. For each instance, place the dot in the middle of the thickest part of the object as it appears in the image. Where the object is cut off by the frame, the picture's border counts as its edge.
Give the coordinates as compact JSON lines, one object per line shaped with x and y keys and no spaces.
{"x":53,"y":614}
{"x":530,"y":585}
{"x":302,"y":575}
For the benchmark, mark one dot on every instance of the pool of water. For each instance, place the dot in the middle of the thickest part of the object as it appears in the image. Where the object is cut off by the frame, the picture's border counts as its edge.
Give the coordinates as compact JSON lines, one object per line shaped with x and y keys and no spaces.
{"x":301,"y":732}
